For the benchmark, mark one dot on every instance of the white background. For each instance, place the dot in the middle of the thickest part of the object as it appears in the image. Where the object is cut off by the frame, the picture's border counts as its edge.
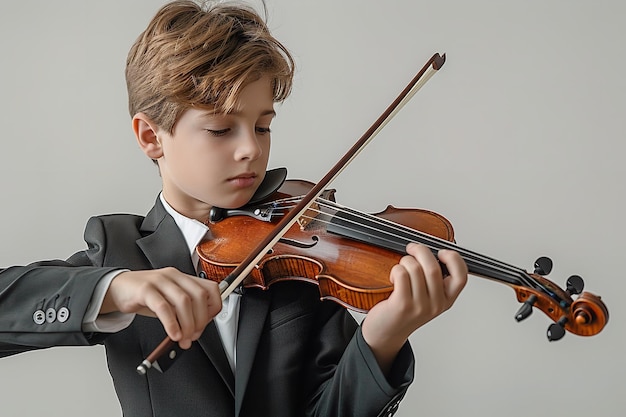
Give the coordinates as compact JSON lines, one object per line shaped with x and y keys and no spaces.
{"x":518,"y":141}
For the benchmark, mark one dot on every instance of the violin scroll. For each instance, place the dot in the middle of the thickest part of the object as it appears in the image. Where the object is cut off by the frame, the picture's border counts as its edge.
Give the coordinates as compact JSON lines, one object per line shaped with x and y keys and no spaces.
{"x":585,"y":316}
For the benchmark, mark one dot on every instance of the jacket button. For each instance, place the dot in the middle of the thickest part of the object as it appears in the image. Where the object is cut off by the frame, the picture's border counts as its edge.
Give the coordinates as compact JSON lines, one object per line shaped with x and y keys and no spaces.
{"x":39,"y":317}
{"x":63,"y":314}
{"x":51,"y":315}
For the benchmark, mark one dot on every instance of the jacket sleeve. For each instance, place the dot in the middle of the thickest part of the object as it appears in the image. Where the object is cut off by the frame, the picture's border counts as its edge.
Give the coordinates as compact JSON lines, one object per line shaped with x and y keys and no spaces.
{"x":43,"y":304}
{"x":356,"y":386}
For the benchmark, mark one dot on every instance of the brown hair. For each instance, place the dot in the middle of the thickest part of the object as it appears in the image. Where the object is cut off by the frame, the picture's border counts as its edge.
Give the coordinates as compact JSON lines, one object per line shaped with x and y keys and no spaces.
{"x":202,"y":55}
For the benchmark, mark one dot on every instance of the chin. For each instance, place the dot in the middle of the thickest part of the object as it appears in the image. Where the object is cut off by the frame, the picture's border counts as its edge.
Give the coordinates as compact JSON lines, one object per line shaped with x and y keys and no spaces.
{"x":237,"y":202}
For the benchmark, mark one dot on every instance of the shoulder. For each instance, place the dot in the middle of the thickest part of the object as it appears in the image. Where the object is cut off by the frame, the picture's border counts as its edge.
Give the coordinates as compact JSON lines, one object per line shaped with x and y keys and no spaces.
{"x":112,"y":237}
{"x":118,"y":218}
{"x":112,"y":224}
{"x":108,"y":228}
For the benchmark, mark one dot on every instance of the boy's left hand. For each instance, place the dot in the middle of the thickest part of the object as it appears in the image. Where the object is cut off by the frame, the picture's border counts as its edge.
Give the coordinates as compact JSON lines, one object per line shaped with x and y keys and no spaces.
{"x":420,"y":294}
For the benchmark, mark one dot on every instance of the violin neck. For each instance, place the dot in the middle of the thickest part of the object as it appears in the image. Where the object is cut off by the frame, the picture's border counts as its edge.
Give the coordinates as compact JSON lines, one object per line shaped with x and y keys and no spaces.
{"x":386,"y":234}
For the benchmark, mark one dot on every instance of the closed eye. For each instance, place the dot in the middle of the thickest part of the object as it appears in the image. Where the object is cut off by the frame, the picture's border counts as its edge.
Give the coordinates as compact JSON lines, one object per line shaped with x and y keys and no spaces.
{"x":263,"y":130}
{"x":219,"y":132}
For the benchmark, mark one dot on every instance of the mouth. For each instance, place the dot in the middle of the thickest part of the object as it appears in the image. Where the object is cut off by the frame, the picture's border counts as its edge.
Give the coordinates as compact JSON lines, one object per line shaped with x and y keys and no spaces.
{"x":246,"y":179}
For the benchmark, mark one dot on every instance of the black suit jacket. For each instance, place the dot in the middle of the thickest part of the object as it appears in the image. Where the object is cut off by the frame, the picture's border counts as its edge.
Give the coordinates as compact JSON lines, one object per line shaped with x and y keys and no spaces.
{"x":296,"y":355}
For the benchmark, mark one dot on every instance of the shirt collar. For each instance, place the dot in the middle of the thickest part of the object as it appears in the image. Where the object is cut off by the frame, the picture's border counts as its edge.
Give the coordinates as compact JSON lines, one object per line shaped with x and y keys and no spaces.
{"x":193,"y":230}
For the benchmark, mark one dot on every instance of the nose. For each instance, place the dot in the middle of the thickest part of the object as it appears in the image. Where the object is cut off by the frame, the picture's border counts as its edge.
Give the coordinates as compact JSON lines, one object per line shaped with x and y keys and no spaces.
{"x":248,"y":146}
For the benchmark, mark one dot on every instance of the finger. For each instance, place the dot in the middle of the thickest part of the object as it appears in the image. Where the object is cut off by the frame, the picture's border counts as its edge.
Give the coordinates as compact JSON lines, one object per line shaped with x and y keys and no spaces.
{"x":403,"y":291}
{"x":202,"y":298}
{"x":196,"y":301}
{"x":453,"y":284}
{"x":431,"y":270}
{"x":163,"y":310}
{"x":415,"y":278}
{"x":182,"y":302}
{"x":170,"y":283}
{"x":172,"y":303}
{"x":209,"y":302}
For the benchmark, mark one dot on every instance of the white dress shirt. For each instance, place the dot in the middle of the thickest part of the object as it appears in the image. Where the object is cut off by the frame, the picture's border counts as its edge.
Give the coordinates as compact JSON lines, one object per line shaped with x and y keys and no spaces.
{"x":226,"y":321}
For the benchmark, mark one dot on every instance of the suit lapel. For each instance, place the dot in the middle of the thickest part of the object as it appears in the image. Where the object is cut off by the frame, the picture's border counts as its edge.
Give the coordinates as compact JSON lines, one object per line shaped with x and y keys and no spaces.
{"x":255,"y":309}
{"x":164,"y":246}
{"x":163,"y":242}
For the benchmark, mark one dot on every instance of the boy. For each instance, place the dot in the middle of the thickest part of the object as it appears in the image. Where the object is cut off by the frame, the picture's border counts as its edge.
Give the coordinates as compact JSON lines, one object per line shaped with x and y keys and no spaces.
{"x":202,"y":83}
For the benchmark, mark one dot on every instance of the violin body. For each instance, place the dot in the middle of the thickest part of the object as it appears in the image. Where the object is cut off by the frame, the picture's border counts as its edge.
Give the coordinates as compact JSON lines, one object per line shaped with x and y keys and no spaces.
{"x":352,"y":273}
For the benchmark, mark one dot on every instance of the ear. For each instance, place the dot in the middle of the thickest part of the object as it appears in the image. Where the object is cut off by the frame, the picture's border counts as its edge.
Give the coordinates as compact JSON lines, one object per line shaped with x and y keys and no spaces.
{"x":147,"y":138}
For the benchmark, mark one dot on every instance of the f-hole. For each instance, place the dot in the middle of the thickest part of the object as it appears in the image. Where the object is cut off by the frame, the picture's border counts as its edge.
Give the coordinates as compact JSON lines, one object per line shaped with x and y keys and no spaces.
{"x":299,"y":244}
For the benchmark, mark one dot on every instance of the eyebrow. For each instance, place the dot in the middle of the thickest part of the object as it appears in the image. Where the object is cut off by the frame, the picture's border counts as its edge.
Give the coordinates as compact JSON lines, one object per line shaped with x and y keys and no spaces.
{"x":211,"y":113}
{"x":269,"y":112}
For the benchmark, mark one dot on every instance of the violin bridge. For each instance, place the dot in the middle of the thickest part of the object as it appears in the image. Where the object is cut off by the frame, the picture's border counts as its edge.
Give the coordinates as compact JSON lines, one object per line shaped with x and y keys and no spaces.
{"x":309,"y":215}
{"x":314,"y":209}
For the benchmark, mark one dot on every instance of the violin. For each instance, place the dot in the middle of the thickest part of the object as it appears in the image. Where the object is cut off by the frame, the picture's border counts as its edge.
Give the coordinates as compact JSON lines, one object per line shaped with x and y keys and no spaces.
{"x":349,"y":254}
{"x":297,"y":231}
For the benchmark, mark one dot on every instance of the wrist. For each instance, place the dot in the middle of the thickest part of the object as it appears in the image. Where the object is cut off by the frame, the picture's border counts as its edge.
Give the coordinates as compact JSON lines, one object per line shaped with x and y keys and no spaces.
{"x":384,"y":347}
{"x":102,"y":294}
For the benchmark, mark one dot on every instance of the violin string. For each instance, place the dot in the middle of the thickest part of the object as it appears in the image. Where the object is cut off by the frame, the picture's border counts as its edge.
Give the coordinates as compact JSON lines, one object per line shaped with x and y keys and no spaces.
{"x":432,"y":242}
{"x":429,"y":240}
{"x":436,"y":243}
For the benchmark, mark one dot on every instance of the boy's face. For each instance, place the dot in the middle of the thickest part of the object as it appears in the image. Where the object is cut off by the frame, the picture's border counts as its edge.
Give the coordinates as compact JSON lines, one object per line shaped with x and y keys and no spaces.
{"x":218,"y":159}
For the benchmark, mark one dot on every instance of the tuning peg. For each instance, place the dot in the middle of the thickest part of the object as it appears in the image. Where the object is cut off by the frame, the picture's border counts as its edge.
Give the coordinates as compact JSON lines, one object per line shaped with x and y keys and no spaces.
{"x":543,"y":265}
{"x":556,"y":331}
{"x":526,"y":309}
{"x":575,"y":285}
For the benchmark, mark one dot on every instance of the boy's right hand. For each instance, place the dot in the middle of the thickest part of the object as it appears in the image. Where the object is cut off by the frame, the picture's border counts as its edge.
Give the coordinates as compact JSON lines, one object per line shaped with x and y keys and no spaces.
{"x":185,"y":304}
